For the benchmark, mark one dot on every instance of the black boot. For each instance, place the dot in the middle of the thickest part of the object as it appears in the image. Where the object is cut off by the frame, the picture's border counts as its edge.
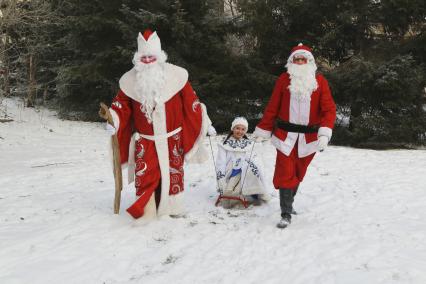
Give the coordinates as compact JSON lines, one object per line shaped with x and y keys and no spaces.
{"x":293,"y":212}
{"x":285,"y":221}
{"x":295,"y":190}
{"x":286,"y":204}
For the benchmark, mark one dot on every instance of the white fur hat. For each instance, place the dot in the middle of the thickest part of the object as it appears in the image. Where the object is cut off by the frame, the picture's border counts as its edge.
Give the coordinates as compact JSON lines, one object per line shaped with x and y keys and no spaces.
{"x":239,"y":121}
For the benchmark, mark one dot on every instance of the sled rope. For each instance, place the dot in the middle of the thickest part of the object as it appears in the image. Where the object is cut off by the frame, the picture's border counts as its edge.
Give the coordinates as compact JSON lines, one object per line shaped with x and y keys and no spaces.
{"x":215,"y":169}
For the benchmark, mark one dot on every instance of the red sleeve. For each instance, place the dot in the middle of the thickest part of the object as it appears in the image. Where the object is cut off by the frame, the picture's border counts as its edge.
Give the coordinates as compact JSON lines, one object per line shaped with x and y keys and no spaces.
{"x":327,"y":105}
{"x":122,"y":106}
{"x":192,"y":117}
{"x":273,"y":107}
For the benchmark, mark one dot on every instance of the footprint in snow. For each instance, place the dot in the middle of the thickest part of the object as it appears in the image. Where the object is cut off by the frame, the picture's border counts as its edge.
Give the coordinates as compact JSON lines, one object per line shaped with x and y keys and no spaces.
{"x":170,"y":259}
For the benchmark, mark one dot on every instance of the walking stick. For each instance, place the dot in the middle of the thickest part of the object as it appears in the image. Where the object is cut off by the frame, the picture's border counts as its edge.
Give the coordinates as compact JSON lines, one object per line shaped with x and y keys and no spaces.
{"x":214,"y":164}
{"x":118,"y":178}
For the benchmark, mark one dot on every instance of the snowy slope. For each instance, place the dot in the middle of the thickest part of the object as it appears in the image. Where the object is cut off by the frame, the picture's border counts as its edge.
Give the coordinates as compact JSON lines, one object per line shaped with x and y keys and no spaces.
{"x":362,"y":217}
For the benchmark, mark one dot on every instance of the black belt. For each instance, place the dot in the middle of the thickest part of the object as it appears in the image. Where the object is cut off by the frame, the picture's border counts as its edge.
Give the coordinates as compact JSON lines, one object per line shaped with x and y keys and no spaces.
{"x":291,"y":127}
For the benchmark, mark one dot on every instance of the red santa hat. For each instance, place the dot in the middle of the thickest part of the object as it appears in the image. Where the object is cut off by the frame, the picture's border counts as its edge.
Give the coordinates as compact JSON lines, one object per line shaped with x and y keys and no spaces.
{"x":301,"y":50}
{"x":149,"y":43}
{"x":240,"y":121}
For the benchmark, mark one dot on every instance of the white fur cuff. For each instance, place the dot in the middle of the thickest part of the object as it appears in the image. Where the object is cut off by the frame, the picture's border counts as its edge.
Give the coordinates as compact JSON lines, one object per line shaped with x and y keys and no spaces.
{"x":198,"y":153}
{"x":262,"y":133}
{"x":115,"y":118}
{"x":325,"y":131}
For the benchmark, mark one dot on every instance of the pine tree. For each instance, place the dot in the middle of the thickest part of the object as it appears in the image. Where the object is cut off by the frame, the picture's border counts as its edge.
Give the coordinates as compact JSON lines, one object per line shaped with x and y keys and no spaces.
{"x":90,"y":55}
{"x":99,"y":40}
{"x":383,"y":102}
{"x":357,"y":44}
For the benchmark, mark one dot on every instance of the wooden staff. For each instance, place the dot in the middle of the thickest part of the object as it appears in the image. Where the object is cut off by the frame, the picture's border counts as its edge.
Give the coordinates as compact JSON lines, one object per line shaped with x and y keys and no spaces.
{"x":118,"y":178}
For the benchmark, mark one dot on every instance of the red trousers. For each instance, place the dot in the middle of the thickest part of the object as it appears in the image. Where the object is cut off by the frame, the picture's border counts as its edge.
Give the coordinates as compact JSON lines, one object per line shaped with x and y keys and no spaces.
{"x":290,"y":170}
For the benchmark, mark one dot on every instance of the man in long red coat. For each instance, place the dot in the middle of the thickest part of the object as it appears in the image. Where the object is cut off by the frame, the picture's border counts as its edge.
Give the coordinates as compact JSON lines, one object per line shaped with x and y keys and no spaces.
{"x":160,"y":123}
{"x":299,"y":119}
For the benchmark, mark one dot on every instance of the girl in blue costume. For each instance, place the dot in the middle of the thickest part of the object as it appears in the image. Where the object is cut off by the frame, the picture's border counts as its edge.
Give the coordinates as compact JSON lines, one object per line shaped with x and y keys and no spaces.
{"x":239,"y":170}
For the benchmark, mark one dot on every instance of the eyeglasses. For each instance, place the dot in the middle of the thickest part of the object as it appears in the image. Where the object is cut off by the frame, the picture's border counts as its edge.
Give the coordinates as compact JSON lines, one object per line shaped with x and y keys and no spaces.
{"x":300,"y":60}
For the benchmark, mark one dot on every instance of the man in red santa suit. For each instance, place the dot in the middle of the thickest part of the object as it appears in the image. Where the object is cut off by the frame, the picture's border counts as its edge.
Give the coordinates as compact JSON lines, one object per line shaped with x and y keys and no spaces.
{"x":299,"y":119}
{"x":160,"y":123}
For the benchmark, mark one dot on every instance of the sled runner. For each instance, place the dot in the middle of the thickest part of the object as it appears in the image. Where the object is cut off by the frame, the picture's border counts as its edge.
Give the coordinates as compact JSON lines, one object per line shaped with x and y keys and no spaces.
{"x":242,"y":200}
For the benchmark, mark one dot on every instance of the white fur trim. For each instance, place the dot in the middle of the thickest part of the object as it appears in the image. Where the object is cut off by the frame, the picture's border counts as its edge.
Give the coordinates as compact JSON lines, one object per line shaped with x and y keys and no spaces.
{"x":305,"y":149}
{"x":325,"y":131}
{"x":198,"y":153}
{"x":110,"y":154}
{"x":169,"y":204}
{"x":176,"y":78}
{"x":303,"y":52}
{"x":150,"y":209}
{"x":262,"y":133}
{"x":159,"y":124}
{"x":176,"y":204}
{"x":131,"y":159}
{"x":115,"y":119}
{"x":285,"y":146}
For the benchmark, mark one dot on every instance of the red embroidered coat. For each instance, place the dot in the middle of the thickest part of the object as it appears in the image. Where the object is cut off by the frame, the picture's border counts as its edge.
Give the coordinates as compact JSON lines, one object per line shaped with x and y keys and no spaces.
{"x":155,"y":151}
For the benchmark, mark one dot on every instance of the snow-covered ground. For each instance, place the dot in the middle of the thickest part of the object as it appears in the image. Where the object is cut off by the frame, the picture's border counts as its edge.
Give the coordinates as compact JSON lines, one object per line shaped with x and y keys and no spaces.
{"x":362,"y":217}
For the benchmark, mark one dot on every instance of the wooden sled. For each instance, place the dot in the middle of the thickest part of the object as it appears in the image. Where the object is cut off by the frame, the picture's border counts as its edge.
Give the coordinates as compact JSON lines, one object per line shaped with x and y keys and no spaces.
{"x":242,"y":200}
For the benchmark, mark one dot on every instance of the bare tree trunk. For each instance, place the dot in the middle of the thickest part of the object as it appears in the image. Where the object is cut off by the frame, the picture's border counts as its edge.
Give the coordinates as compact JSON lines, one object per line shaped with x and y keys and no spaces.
{"x":6,"y":72}
{"x":45,"y":95}
{"x":231,"y":8}
{"x":31,"y":81}
{"x":6,"y":78}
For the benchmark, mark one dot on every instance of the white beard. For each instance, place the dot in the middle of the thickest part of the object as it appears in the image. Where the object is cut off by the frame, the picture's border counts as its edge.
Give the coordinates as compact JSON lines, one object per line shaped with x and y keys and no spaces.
{"x":149,"y":86}
{"x":302,"y":80}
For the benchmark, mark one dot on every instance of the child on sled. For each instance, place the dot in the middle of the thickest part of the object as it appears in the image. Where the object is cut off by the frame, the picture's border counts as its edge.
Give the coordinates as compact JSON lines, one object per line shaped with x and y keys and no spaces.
{"x":239,"y":172}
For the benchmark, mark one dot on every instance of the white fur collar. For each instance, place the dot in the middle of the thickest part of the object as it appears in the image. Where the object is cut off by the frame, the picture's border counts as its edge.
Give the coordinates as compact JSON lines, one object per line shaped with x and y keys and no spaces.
{"x":176,"y":78}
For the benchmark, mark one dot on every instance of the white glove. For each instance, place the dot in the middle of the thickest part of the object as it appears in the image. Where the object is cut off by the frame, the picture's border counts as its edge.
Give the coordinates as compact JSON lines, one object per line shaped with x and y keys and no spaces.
{"x":258,"y":139}
{"x":110,"y":129}
{"x":322,"y":143}
{"x":211,"y":131}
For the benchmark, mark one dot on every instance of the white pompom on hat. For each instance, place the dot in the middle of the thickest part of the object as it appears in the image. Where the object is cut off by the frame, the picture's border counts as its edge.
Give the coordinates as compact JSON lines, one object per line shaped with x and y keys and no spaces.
{"x":240,"y":121}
